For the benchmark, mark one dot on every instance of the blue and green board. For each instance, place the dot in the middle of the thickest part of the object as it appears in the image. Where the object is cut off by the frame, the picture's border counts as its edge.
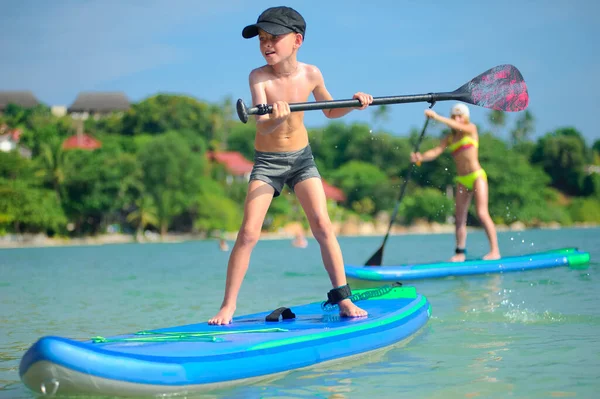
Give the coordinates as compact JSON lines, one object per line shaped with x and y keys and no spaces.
{"x":554,"y":258}
{"x":197,"y":357}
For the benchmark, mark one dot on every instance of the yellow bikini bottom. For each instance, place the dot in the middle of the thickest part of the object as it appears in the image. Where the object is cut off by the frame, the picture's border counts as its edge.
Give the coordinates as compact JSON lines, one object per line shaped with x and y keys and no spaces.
{"x":469,"y":180}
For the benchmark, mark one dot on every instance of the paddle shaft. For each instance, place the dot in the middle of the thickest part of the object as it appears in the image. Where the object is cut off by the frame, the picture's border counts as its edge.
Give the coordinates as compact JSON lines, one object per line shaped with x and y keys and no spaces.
{"x":263,"y":109}
{"x":415,"y":98}
{"x":408,"y":176}
{"x":377,"y":257}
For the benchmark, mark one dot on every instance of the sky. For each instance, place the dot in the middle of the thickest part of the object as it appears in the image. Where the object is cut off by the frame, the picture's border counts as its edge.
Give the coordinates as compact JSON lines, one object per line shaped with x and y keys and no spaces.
{"x":57,"y":49}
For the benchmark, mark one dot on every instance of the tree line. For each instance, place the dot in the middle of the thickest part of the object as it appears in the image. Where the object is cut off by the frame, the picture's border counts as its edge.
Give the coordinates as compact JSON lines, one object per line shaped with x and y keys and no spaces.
{"x":152,"y":172}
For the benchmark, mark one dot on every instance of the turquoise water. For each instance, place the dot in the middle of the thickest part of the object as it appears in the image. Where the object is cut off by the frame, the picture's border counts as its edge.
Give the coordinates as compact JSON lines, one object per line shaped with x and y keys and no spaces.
{"x":529,"y":335}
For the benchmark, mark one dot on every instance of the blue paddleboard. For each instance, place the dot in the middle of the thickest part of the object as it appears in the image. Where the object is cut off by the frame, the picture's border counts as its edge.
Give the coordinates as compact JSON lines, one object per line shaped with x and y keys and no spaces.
{"x":198,"y":357}
{"x":555,"y":258}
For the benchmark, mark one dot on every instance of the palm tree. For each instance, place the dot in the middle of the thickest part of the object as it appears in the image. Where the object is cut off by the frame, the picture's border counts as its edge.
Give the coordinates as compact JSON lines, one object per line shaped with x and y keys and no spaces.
{"x":524,"y":127}
{"x":52,"y":158}
{"x":497,"y":119}
{"x":227,"y":113}
{"x":144,"y":215}
{"x":220,"y":117}
{"x":381,"y":113}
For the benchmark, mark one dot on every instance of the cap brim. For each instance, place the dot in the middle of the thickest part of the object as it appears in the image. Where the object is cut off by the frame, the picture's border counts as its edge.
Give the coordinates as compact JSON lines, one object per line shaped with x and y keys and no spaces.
{"x":272,"y":29}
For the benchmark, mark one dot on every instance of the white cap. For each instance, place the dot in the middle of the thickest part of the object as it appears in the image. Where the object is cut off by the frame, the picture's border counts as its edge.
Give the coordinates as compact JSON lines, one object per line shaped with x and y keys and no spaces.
{"x":460,"y":109}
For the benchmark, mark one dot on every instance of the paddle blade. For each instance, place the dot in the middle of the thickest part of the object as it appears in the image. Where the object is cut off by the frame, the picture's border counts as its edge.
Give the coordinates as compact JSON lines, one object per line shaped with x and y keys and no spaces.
{"x":501,"y":88}
{"x":376,"y":259}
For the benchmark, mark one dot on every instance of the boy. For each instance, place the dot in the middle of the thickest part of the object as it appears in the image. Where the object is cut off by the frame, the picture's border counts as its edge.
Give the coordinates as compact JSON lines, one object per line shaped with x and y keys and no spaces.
{"x":283,"y":154}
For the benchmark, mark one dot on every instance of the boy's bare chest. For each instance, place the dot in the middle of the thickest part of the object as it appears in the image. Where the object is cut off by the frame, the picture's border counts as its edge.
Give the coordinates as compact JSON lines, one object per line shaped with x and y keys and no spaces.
{"x":290,"y":92}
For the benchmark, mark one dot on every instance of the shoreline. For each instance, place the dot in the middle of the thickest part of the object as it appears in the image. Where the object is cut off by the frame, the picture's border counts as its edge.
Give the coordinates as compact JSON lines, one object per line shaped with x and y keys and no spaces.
{"x":287,"y":233}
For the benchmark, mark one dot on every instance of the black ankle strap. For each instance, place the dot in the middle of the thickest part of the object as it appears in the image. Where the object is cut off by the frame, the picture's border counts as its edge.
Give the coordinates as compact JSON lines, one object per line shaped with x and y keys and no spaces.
{"x":285,"y":313}
{"x":336,"y":295}
{"x":461,"y":250}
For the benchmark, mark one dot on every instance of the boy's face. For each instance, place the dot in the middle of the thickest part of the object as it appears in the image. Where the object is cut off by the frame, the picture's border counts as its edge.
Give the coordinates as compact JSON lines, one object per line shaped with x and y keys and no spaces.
{"x":277,"y":48}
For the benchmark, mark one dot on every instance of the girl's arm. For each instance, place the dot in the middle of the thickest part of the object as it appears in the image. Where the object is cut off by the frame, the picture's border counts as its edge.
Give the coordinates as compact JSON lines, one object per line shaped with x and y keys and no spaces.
{"x":430,"y":155}
{"x":468,"y":128}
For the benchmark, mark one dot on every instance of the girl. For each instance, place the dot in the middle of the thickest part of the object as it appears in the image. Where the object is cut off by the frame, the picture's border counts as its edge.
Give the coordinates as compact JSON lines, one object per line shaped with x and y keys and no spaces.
{"x":463,"y":144}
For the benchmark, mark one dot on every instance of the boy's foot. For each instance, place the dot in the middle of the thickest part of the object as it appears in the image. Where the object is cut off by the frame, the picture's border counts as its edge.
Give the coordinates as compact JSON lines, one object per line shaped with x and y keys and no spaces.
{"x":223,"y":317}
{"x":458,"y":258}
{"x":493,"y":255}
{"x":349,"y":309}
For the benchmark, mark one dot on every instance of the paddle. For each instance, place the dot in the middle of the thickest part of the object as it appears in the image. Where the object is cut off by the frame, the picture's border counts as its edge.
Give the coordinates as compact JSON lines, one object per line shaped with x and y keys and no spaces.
{"x":377,"y":258}
{"x":500,"y":88}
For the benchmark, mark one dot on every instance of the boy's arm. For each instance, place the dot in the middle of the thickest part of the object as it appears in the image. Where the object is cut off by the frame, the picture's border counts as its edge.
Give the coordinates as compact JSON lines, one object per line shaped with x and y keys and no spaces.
{"x":321,"y":93}
{"x":264,"y":123}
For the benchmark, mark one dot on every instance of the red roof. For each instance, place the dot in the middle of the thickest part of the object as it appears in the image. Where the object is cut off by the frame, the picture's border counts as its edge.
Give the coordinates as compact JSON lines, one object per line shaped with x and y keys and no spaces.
{"x":333,"y":193}
{"x":83,"y":142}
{"x":13,"y":135}
{"x":16,"y":134}
{"x":233,"y":161}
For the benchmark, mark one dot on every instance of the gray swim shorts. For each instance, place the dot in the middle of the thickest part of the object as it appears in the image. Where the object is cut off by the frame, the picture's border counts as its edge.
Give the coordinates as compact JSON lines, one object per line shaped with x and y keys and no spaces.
{"x":280,"y":168}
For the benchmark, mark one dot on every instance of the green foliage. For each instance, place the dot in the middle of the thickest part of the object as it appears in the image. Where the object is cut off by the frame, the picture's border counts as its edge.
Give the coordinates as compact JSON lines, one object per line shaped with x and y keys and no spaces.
{"x":216,"y":212}
{"x":29,"y":209}
{"x":166,"y":112}
{"x":497,"y":119}
{"x":361,"y":180}
{"x":585,"y":210}
{"x":144,"y":214}
{"x":46,"y":130}
{"x":516,"y":189}
{"x":563,"y":156}
{"x":427,"y":203}
{"x":591,"y":185}
{"x":283,"y":209}
{"x":171,"y":175}
{"x":97,"y":184}
{"x":241,"y":139}
{"x":525,"y":125}
{"x":338,"y":143}
{"x":596,"y":146}
{"x":13,"y":166}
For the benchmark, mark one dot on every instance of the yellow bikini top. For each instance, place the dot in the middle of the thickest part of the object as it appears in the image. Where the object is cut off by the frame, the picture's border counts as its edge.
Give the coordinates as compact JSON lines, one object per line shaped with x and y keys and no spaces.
{"x":463,"y":144}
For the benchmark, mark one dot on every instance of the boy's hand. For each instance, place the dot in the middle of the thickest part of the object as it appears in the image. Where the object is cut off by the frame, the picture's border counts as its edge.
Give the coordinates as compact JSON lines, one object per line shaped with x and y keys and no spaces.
{"x":281,"y":110}
{"x":365,"y":99}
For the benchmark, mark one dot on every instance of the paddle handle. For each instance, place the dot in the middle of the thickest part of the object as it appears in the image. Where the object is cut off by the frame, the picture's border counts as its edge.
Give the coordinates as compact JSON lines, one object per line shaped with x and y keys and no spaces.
{"x":263,"y":109}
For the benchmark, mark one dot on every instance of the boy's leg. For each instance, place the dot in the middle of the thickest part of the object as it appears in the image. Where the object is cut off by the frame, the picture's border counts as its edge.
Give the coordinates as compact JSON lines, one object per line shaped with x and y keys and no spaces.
{"x":311,"y":196}
{"x":258,"y":200}
{"x":463,"y":200}
{"x":481,"y":204}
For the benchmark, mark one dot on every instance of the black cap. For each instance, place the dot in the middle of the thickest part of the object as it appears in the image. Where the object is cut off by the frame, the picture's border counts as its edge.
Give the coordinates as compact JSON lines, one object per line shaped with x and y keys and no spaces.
{"x":277,"y":21}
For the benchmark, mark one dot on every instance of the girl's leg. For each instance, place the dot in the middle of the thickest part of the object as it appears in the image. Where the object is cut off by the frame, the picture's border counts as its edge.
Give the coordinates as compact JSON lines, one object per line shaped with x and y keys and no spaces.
{"x":481,"y":204}
{"x":463,"y":200}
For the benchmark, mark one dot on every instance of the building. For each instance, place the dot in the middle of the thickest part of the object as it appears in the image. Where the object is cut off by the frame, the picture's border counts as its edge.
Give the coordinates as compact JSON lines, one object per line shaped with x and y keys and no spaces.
{"x":24,"y":99}
{"x":58,"y":110}
{"x":9,"y":141}
{"x":98,"y":104}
